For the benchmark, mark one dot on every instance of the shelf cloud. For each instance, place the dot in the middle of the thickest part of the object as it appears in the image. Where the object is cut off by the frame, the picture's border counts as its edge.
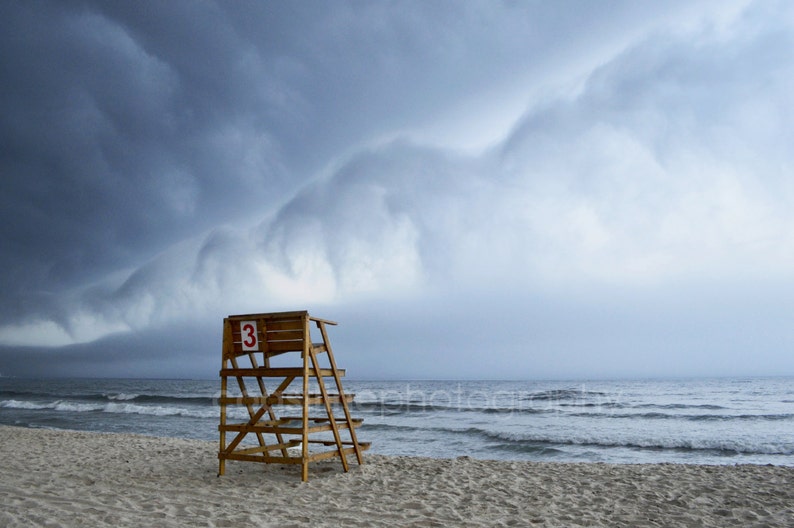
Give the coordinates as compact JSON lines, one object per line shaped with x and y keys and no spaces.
{"x":483,"y":190}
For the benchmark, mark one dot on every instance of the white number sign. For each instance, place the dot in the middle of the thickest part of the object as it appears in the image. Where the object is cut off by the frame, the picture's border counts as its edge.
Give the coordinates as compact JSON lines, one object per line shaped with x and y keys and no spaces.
{"x":249,"y":336}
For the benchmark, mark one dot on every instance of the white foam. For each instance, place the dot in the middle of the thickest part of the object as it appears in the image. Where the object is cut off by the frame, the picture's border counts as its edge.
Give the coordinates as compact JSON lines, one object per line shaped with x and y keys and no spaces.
{"x":111,"y":407}
{"x":121,"y":396}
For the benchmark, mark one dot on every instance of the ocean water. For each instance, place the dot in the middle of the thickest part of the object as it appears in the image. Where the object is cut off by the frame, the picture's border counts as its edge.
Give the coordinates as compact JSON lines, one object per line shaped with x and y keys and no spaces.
{"x":706,"y":421}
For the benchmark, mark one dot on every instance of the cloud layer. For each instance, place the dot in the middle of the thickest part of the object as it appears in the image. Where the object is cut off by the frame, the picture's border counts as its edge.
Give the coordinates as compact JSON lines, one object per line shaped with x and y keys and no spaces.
{"x":474,"y":167}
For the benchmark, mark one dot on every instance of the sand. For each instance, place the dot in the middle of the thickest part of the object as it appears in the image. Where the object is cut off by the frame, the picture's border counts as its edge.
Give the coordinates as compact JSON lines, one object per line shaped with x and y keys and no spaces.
{"x":66,"y":478}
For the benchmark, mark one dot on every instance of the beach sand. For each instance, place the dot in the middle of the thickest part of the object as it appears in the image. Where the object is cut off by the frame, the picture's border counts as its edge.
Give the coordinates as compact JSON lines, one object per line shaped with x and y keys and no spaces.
{"x":66,"y":478}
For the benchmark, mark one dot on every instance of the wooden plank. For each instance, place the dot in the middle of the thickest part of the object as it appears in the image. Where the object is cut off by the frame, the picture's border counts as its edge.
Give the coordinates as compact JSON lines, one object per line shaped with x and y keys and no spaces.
{"x":276,"y":372}
{"x":314,"y":419}
{"x":258,"y":458}
{"x":270,"y":316}
{"x":270,"y":429}
{"x":224,"y":383}
{"x":269,"y":355}
{"x":264,"y":449}
{"x":297,"y":399}
{"x":250,"y":400}
{"x":286,"y":334}
{"x":364,"y":445}
{"x":263,"y":345}
{"x":281,"y":427}
{"x":357,"y":422}
{"x":284,"y":399}
{"x":285,"y":324}
{"x":277,"y":348}
{"x":252,"y":450}
{"x":284,"y":385}
{"x":269,"y":348}
{"x":325,"y":321}
{"x":314,"y":399}
{"x":284,"y":346}
{"x":261,"y":427}
{"x":305,"y":415}
{"x":325,"y":455}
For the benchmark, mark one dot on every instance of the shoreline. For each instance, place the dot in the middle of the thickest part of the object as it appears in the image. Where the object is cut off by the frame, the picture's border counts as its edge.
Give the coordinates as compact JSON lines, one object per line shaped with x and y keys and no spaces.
{"x":75,"y":478}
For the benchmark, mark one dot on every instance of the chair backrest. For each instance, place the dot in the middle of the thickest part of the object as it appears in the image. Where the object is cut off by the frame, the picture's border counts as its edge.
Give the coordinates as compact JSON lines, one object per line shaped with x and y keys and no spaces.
{"x":269,"y":333}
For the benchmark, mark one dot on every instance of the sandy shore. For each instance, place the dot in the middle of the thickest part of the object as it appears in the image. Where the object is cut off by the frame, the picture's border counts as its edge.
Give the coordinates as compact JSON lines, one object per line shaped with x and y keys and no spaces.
{"x":64,"y":478}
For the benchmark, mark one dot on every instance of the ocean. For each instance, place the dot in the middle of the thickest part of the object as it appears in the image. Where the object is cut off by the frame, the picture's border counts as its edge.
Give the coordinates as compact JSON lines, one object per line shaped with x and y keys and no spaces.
{"x":690,"y":421}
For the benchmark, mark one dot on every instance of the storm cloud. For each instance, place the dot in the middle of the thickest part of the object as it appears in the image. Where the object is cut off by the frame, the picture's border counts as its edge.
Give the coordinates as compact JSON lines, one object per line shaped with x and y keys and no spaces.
{"x":479,"y":190}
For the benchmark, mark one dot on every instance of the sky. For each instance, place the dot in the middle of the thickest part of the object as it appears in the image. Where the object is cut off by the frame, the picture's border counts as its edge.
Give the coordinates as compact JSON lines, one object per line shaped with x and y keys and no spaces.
{"x":479,"y":189}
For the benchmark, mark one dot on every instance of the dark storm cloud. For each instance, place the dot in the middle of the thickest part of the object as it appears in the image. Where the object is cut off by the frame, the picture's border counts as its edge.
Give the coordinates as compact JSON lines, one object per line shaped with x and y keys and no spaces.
{"x":553,"y":183}
{"x":115,"y":144}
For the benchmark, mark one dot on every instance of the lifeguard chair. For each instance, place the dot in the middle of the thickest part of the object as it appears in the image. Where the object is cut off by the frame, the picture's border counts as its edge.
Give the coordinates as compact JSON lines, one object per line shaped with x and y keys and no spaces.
{"x":276,"y":349}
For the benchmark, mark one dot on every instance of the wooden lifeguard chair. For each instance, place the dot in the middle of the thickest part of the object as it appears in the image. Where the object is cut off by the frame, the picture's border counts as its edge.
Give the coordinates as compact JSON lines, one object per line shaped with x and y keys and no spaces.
{"x":252,"y":345}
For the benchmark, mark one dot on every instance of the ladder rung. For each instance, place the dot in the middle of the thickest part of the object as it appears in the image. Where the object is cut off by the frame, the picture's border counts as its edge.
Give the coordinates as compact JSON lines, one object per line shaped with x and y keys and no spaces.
{"x":284,"y":399}
{"x":319,"y":419}
{"x":344,"y":442}
{"x":278,"y":372}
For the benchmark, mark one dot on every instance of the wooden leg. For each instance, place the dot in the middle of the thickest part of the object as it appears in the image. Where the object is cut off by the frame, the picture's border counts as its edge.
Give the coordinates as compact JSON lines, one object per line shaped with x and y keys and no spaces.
{"x":305,"y":407}
{"x":222,"y":461}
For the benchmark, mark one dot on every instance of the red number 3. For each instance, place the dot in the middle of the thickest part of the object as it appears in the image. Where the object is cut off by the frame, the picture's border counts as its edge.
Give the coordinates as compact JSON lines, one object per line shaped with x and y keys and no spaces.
{"x":248,"y":329}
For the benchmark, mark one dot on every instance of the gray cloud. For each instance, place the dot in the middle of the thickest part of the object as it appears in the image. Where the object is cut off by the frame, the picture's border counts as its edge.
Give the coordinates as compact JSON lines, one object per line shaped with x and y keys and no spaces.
{"x":170,"y":165}
{"x":114,"y":148}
